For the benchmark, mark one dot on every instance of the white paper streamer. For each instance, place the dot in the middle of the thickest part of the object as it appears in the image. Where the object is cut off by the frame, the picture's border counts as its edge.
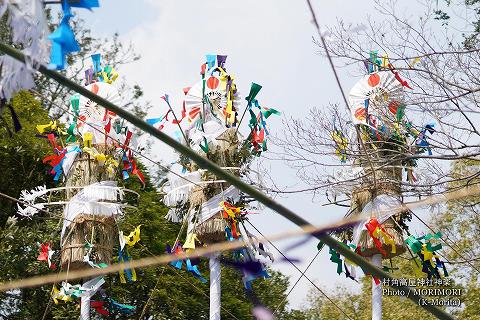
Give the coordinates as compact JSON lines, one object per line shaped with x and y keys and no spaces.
{"x":212,"y":129}
{"x":377,"y":208}
{"x":87,"y":201}
{"x":69,"y":159}
{"x":29,"y":197}
{"x":15,"y":77}
{"x":88,"y":289}
{"x":212,"y":206}
{"x":29,"y":28}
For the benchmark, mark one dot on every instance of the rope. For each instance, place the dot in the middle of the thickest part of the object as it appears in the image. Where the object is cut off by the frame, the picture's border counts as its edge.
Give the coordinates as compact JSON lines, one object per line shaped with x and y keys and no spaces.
{"x":229,"y":245}
{"x":47,"y":308}
{"x":151,"y":294}
{"x":201,"y":291}
{"x":184,"y":278}
{"x":215,"y":169}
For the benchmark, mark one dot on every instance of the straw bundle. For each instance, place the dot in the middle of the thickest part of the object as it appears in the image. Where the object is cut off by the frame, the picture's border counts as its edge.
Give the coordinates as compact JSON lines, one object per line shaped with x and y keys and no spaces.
{"x":212,"y":230}
{"x":388,"y":175}
{"x":368,"y":249}
{"x":223,"y":153}
{"x":100,"y":231}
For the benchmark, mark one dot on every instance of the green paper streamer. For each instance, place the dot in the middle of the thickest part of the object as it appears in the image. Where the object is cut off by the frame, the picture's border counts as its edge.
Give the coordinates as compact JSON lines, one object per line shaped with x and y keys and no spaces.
{"x":269,"y":112}
{"x":414,"y":244}
{"x":400,"y":112}
{"x":433,"y":248}
{"x":335,"y":257}
{"x":429,"y":236}
{"x":204,"y":147}
{"x":108,"y":70}
{"x":253,"y":119}
{"x":254,"y":90}
{"x":75,"y":102}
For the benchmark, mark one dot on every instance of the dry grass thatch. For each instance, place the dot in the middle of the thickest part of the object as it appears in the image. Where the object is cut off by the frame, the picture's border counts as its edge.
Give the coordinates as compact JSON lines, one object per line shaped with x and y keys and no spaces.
{"x":100,"y":231}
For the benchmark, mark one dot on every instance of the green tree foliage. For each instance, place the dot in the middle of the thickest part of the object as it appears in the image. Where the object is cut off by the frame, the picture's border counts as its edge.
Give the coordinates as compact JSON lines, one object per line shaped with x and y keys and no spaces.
{"x":21,"y":158}
{"x":460,"y":222}
{"x":172,"y":294}
{"x":358,"y":305}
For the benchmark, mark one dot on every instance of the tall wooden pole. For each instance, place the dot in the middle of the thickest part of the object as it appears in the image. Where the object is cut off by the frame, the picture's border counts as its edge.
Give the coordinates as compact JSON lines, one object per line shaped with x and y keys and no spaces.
{"x":377,"y":291}
{"x":85,"y":308}
{"x":215,"y":169}
{"x":215,"y":287}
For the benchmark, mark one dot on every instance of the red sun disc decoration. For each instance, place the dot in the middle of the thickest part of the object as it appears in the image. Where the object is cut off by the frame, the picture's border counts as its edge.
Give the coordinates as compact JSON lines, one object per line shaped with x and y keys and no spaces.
{"x":212,"y":83}
{"x":360,"y":113}
{"x":373,"y":80}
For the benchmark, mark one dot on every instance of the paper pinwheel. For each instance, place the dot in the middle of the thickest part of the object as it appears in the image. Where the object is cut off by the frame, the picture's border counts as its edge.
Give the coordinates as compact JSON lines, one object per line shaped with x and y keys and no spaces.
{"x":92,"y":113}
{"x":375,"y":99}
{"x":215,"y":85}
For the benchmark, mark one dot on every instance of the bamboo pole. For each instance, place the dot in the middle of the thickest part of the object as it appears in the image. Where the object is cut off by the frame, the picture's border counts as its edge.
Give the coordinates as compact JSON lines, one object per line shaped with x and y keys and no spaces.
{"x":215,"y":169}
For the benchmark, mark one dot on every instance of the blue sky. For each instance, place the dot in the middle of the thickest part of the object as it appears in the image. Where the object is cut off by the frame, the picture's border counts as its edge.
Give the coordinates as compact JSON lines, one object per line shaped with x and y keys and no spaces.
{"x":268,"y":42}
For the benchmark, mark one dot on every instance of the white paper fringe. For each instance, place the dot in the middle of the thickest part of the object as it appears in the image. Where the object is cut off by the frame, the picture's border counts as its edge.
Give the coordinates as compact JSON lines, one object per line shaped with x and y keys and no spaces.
{"x":29,"y":197}
{"x":377,"y":208}
{"x":15,"y":77}
{"x":29,"y":28}
{"x":177,"y":191}
{"x":212,"y":207}
{"x":87,"y":201}
{"x":69,"y":159}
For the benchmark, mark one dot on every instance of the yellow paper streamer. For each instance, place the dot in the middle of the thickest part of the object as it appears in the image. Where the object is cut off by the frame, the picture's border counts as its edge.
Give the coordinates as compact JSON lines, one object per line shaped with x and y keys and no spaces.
{"x":133,"y":237}
{"x":43,"y":127}
{"x":386,"y":238}
{"x":101,"y":158}
{"x":122,"y":275}
{"x":223,"y":82}
{"x":52,"y":126}
{"x":230,"y":211}
{"x":56,"y":295}
{"x":87,"y":139}
{"x":229,"y":112}
{"x":385,"y":61}
{"x":342,"y":143}
{"x":428,"y":255}
{"x":190,"y":241}
{"x":414,"y":62}
{"x":111,"y":165}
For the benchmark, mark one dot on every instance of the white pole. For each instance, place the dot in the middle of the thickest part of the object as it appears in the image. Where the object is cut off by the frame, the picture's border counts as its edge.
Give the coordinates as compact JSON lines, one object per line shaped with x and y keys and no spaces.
{"x":215,"y":288}
{"x":85,"y":308}
{"x":377,"y":291}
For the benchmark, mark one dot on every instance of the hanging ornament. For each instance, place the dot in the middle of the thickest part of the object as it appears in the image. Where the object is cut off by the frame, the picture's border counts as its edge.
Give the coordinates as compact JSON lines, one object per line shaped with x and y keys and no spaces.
{"x":427,"y":252}
{"x":46,"y":254}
